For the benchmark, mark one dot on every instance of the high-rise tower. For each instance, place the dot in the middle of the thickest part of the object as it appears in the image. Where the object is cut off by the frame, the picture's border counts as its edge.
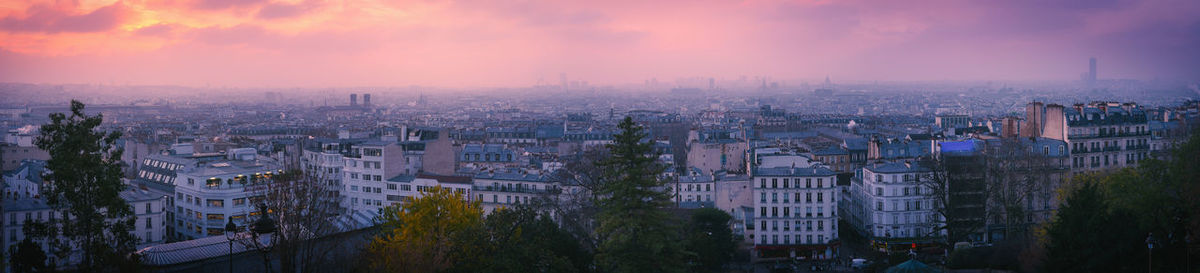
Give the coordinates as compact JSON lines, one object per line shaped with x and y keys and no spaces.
{"x":1092,"y":70}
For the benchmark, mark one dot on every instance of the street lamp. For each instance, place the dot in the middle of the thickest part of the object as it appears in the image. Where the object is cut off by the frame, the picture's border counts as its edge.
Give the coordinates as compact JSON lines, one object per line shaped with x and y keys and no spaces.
{"x":230,"y":234}
{"x":1150,"y":241}
{"x":261,"y":233}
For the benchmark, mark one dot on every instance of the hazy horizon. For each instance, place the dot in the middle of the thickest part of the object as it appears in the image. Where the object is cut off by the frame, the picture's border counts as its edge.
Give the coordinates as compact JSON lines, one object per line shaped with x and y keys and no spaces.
{"x":315,"y":44}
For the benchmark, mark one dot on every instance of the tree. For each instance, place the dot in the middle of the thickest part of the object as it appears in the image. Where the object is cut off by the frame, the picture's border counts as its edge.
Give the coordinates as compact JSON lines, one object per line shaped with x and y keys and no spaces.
{"x":427,"y":233}
{"x":577,"y":206}
{"x":84,"y":176}
{"x":28,"y":256}
{"x":710,"y":239}
{"x":519,"y":239}
{"x":955,"y":184}
{"x":1088,"y":236}
{"x":634,"y":231}
{"x":305,"y":209}
{"x":1018,"y":172}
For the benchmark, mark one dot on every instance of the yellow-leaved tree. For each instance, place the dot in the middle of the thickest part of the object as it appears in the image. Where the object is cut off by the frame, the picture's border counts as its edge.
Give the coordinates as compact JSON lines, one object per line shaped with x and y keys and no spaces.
{"x":426,"y":234}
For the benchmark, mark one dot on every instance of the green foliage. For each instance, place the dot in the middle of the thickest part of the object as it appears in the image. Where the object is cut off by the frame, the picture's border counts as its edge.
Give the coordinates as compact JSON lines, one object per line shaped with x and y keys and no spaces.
{"x":522,"y":240}
{"x":1107,"y":218}
{"x":1089,"y":236}
{"x":710,"y":238}
{"x":430,"y":233}
{"x":84,"y":176}
{"x":635,"y":232}
{"x":27,"y":256}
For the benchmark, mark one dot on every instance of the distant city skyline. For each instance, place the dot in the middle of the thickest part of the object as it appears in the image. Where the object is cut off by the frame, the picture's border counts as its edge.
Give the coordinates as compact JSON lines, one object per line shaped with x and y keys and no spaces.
{"x":489,"y":44}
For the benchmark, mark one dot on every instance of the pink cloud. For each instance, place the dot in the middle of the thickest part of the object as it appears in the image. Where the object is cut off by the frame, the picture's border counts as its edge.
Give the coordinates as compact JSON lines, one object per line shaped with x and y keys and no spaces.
{"x":48,"y":19}
{"x":474,"y":43}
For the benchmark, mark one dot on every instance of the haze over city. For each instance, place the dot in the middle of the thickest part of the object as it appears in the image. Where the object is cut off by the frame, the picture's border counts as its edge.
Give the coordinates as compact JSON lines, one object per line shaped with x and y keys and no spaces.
{"x":463,"y":44}
{"x":705,"y":136}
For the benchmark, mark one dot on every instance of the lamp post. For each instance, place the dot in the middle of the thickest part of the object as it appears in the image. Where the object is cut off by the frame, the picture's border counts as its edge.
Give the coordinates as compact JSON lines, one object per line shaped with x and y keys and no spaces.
{"x":262,"y":232}
{"x":230,"y":234}
{"x":1150,"y":241}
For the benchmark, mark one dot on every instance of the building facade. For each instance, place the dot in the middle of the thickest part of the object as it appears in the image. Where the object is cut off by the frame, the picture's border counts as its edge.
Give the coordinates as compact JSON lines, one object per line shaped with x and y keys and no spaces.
{"x":796,"y":212}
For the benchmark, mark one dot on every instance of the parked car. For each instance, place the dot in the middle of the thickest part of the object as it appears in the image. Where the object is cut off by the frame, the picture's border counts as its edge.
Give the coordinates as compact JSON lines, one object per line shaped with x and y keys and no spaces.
{"x":858,"y":263}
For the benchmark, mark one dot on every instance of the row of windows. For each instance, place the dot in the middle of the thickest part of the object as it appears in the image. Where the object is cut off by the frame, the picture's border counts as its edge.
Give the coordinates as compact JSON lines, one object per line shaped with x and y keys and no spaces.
{"x":808,"y":197}
{"x":907,"y":191}
{"x":808,"y":183}
{"x":808,"y":239}
{"x":806,"y":225}
{"x":366,"y":177}
{"x":808,"y":211}
{"x":908,"y":205}
{"x":212,"y":203}
{"x":366,"y":164}
{"x":695,"y":187}
{"x":508,"y":199}
{"x":161,"y":164}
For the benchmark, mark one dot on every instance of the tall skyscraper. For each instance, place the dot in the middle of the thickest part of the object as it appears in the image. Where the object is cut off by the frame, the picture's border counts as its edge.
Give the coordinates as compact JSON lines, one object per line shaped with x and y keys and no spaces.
{"x":1091,"y":70}
{"x":367,"y":100}
{"x":353,"y":99}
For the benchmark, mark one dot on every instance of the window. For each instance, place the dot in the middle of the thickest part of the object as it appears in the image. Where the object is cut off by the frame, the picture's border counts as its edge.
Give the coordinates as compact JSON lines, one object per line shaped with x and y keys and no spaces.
{"x":147,"y":208}
{"x":808,"y":197}
{"x":762,"y":211}
{"x":391,"y":186}
{"x":820,"y":183}
{"x":762,"y":182}
{"x":774,"y":183}
{"x":785,"y":183}
{"x":238,"y":202}
{"x":808,"y":182}
{"x":216,"y":203}
{"x":149,"y":222}
{"x":216,"y":216}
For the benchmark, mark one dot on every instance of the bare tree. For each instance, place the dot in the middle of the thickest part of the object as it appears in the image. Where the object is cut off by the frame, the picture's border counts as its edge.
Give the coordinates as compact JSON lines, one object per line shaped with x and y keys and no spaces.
{"x":1017,"y":171}
{"x":306,"y":208}
{"x":575,"y":205}
{"x":955,"y":184}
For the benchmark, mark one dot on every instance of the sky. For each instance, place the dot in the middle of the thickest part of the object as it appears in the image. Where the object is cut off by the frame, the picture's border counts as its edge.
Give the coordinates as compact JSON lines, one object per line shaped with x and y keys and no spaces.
{"x":502,"y":43}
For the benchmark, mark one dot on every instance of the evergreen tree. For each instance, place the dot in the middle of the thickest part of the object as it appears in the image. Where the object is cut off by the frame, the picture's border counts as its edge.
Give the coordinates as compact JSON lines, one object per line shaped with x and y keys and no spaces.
{"x":635,"y":232}
{"x":84,"y":176}
{"x":1087,"y":235}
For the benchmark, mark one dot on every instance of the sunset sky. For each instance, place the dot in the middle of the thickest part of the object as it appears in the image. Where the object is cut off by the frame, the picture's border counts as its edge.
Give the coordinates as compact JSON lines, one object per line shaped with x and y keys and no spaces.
{"x":272,"y":43}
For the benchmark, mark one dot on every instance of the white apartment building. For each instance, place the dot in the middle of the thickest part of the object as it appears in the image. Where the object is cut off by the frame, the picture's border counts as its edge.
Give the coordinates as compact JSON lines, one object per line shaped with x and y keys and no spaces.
{"x":208,"y":194}
{"x":370,"y":166}
{"x":796,"y":212}
{"x":695,"y":189}
{"x":511,"y":187}
{"x":888,"y":200}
